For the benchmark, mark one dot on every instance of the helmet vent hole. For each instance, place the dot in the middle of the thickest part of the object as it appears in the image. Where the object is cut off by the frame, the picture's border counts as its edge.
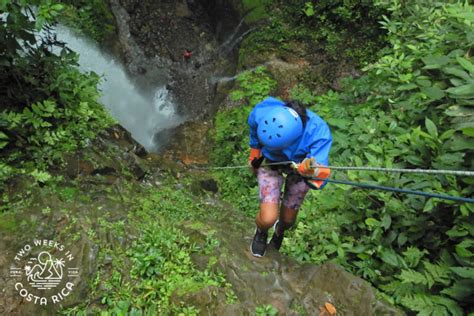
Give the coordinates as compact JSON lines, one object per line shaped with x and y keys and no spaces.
{"x":266,"y":122}
{"x":279,"y":135}
{"x":270,"y":137}
{"x":264,"y":131}
{"x":274,"y":119}
{"x":280,"y":126}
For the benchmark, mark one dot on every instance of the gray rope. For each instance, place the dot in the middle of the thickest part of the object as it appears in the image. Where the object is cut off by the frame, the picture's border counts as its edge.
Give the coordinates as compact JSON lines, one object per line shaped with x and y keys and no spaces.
{"x":425,"y":171}
{"x":242,"y":166}
{"x":399,"y":170}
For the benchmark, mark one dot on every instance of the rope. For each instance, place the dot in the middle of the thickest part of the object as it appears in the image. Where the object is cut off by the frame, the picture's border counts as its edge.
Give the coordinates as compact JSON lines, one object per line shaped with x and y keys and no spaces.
{"x":404,"y":191}
{"x":426,"y":171}
{"x":376,"y":187}
{"x":242,"y":166}
{"x":397,"y":170}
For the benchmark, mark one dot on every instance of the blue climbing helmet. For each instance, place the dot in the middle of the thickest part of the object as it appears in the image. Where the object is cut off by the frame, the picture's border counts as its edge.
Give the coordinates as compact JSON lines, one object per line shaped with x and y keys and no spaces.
{"x":279,"y":128}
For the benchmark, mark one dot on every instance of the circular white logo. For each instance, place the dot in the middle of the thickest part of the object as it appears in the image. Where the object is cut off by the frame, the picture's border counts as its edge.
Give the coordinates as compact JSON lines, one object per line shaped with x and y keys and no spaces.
{"x":43,"y":272}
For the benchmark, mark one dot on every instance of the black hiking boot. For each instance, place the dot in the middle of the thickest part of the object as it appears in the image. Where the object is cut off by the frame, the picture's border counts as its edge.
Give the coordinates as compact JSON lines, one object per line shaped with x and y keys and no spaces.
{"x":277,"y":240}
{"x":259,"y":243}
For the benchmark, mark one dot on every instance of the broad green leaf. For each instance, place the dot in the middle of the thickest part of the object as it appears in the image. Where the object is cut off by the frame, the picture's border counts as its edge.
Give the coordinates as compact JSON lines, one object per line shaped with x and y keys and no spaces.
{"x":428,"y":206}
{"x":390,"y":257}
{"x":423,"y":82}
{"x":456,"y":110}
{"x":406,"y":87}
{"x":447,"y":134}
{"x":375,"y":148}
{"x":465,"y":90}
{"x":468,"y":131}
{"x":431,"y":128}
{"x":459,"y":143}
{"x":371,"y":158}
{"x":372,"y":222}
{"x":402,"y":239}
{"x":308,"y":9}
{"x":457,"y":82}
{"x":457,"y":72}
{"x":435,"y":62}
{"x":462,"y":249}
{"x":434,"y":93}
{"x":466,"y":64}
{"x":457,"y":232}
{"x":463,"y":124}
{"x":386,"y":221}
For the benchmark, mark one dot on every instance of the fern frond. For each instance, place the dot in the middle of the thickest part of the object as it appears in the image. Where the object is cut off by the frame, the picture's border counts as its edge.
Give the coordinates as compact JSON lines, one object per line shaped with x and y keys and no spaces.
{"x":450,"y":304}
{"x":414,"y":277}
{"x":439,"y":273}
{"x":425,"y":305}
{"x":398,"y":289}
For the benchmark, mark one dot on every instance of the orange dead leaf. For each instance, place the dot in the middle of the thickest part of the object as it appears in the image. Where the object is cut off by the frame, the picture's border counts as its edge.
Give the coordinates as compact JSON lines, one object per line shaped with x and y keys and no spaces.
{"x":330,"y":308}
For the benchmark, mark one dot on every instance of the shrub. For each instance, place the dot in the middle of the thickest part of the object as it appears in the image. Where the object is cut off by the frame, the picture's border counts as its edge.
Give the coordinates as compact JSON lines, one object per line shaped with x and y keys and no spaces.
{"x":48,"y":106}
{"x":411,"y":109}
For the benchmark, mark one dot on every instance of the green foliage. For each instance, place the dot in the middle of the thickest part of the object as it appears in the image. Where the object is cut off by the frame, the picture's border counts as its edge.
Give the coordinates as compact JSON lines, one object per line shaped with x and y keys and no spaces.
{"x":411,"y":109}
{"x":151,"y":270}
{"x":233,"y":149}
{"x":254,"y":85}
{"x":257,"y":9}
{"x":161,"y":261}
{"x":266,"y":310}
{"x":93,"y":18}
{"x":342,"y":29}
{"x":406,"y":112}
{"x":48,"y":106}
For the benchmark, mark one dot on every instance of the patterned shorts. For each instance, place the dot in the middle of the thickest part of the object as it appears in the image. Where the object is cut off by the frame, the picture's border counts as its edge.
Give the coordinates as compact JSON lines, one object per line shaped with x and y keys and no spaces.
{"x":270,"y":183}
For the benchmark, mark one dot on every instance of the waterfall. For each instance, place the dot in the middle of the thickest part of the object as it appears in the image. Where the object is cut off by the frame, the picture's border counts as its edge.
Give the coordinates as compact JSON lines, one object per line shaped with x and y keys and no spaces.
{"x":142,"y":113}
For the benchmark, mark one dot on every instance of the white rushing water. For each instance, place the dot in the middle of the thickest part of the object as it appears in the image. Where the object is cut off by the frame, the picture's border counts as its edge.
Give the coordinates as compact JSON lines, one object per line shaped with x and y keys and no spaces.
{"x":142,"y":114}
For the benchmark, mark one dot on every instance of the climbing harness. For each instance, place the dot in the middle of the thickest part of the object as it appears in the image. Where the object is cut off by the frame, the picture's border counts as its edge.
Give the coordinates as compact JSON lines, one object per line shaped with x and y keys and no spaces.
{"x":373,"y":186}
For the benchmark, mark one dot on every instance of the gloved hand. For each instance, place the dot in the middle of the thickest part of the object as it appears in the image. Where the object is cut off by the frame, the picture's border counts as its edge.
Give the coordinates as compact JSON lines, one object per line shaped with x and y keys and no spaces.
{"x":309,"y":168}
{"x":255,"y":159}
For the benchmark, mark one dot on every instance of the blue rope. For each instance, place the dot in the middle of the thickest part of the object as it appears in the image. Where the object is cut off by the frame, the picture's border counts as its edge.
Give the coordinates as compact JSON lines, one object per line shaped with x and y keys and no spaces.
{"x":404,"y":191}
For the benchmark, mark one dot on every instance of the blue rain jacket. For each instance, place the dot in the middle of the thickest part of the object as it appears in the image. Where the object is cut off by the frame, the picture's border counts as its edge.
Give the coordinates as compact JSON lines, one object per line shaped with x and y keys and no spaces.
{"x":315,"y":141}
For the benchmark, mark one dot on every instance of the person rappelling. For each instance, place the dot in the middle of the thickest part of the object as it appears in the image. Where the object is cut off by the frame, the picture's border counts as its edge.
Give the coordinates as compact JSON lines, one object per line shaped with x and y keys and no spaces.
{"x":281,"y":132}
{"x":187,"y":55}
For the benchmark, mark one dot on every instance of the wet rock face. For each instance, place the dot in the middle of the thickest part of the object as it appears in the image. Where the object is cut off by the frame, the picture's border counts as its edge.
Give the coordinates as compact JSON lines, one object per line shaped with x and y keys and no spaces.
{"x":167,"y":28}
{"x":191,"y":143}
{"x":290,"y":287}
